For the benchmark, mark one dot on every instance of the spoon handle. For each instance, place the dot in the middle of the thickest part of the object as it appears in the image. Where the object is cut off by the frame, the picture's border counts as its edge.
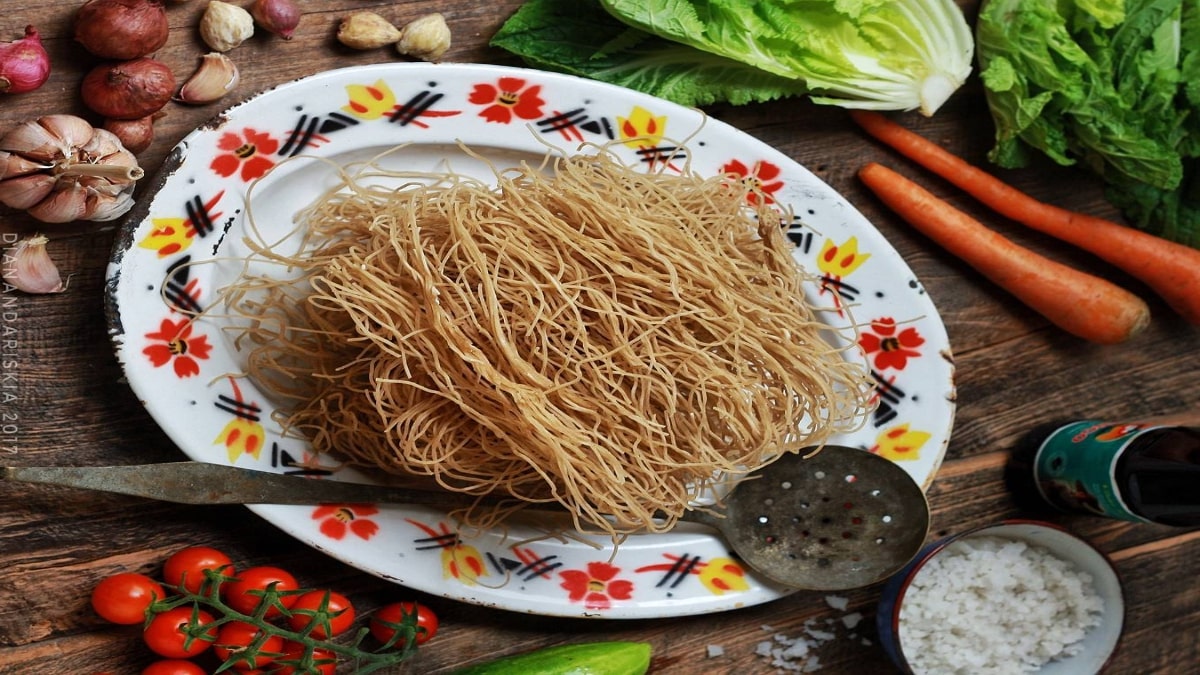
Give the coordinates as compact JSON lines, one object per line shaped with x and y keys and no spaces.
{"x":203,"y":483}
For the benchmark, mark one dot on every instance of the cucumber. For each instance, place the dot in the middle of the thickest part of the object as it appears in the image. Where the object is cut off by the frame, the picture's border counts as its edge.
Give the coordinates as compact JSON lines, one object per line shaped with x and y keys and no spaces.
{"x":589,"y":658}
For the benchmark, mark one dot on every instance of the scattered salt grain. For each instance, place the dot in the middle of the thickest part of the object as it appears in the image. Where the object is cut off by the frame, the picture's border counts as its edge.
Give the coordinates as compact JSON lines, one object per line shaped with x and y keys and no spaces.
{"x":798,"y":654}
{"x":837,"y":602}
{"x":820,"y":635}
{"x":715,"y":651}
{"x":995,"y":606}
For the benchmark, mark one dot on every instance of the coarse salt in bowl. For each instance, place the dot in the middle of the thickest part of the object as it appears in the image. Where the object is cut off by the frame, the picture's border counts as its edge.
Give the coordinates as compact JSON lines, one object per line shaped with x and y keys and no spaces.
{"x":1016,"y":597}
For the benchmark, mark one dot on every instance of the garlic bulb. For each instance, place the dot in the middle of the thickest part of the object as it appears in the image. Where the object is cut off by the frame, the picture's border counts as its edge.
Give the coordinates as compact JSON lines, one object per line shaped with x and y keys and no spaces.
{"x":27,"y":267}
{"x":59,"y":168}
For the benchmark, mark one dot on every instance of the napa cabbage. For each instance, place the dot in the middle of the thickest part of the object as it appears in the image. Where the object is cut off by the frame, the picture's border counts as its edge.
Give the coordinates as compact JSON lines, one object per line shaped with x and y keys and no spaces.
{"x":871,"y":54}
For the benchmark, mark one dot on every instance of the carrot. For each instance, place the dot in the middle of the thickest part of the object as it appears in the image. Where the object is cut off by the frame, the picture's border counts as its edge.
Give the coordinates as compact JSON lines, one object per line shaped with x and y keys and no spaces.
{"x":1170,"y":269}
{"x":1079,"y":303}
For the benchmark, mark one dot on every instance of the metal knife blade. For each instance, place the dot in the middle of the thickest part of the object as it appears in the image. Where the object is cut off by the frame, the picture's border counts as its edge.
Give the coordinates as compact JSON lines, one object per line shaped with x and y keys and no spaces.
{"x":203,"y":483}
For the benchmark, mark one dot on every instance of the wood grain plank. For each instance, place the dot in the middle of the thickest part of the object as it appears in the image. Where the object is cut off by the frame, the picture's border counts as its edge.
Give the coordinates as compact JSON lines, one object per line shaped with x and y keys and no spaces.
{"x":1014,"y":371}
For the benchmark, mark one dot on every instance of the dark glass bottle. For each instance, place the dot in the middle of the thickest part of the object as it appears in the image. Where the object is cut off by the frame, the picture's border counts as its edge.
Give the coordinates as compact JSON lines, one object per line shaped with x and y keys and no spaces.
{"x":1143,"y":471}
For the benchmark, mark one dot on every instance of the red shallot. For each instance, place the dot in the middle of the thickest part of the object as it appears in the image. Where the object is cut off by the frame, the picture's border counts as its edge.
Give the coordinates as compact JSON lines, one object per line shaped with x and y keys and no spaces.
{"x":121,"y":29}
{"x":136,"y":135}
{"x":276,"y":16}
{"x":24,"y":64}
{"x":128,"y":90}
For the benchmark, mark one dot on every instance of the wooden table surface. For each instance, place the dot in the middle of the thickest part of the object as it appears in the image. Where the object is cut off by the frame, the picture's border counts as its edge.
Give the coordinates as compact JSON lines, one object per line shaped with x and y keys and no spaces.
{"x":65,"y":402}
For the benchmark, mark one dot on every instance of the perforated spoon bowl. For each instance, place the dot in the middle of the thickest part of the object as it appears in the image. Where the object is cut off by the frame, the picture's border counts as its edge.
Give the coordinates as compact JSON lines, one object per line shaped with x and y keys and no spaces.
{"x":841,"y":519}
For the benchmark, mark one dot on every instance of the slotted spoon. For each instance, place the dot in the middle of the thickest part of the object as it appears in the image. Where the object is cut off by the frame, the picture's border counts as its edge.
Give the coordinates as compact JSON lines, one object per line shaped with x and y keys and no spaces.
{"x":843,"y":518}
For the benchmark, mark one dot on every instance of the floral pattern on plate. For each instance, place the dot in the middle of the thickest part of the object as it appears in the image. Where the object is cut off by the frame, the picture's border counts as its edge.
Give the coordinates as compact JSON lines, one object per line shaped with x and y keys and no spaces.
{"x":167,"y":270}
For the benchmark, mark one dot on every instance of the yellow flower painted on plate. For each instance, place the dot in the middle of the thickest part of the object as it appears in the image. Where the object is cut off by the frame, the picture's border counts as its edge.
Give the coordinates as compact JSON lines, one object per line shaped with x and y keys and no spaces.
{"x":900,"y":443}
{"x":463,"y":562}
{"x":370,"y":101}
{"x":242,"y":437}
{"x":839,"y":260}
{"x":169,"y":236}
{"x":723,"y":575}
{"x":642,"y":128}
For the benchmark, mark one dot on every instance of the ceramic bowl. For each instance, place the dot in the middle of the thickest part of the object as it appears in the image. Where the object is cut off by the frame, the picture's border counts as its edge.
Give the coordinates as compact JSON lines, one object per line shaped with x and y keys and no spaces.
{"x":1098,"y":644}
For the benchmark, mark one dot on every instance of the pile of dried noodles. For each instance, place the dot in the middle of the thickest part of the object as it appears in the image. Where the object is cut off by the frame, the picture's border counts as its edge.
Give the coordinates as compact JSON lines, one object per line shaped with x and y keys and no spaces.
{"x":582,"y":332}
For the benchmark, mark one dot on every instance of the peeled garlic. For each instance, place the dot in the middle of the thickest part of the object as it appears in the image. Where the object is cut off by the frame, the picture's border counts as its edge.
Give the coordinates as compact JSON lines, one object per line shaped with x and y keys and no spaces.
{"x":224,"y":26}
{"x":216,"y":76}
{"x":27,"y":267}
{"x":426,"y":38}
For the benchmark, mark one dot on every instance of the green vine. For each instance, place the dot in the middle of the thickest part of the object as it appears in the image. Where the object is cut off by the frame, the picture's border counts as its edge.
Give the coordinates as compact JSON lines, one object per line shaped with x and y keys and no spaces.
{"x":397,"y":649}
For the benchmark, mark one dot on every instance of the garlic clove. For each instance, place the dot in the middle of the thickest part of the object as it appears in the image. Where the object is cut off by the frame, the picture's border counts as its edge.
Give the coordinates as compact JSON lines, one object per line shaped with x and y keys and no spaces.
{"x":216,"y":76}
{"x":106,"y":148}
{"x":48,"y":137}
{"x":28,"y":267}
{"x":23,"y":192}
{"x":64,"y":204}
{"x":13,"y":165}
{"x":106,"y":187}
{"x":102,"y":145}
{"x":102,"y":206}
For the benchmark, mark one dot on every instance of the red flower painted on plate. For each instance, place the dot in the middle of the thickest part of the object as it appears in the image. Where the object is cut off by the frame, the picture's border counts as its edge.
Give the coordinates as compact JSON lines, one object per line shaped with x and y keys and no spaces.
{"x":508,"y":97}
{"x":246,"y":152}
{"x":888,"y":347}
{"x":175,"y":344}
{"x":597,"y":587}
{"x":760,"y":178}
{"x":338,"y":520}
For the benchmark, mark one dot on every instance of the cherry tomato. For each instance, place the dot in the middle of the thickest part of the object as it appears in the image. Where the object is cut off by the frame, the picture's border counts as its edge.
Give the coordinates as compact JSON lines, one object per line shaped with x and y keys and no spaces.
{"x":186,"y":566}
{"x":235,"y":636}
{"x":324,"y":661}
{"x":171,"y":633}
{"x":174,"y":667}
{"x":339,"y":613}
{"x":395,"y":613}
{"x":124,"y":598}
{"x":246,"y":591}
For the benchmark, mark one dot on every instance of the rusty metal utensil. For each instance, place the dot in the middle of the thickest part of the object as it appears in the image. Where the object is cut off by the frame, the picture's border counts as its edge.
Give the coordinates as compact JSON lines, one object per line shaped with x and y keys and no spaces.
{"x":841,"y":519}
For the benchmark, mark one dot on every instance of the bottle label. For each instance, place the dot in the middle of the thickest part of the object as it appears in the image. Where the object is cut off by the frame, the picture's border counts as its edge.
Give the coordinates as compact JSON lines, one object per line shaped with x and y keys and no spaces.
{"x":1075,"y":467}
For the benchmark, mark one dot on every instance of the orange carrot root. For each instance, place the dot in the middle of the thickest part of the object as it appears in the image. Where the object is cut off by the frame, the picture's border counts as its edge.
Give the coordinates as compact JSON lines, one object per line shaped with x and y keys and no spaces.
{"x":1171,"y":270}
{"x":1081,"y":304}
